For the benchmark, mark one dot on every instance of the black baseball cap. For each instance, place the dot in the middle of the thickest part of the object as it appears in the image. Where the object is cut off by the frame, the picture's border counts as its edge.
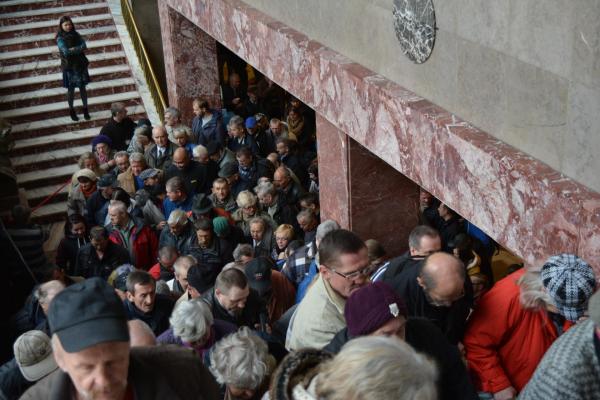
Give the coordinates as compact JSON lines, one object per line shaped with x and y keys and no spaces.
{"x":258,"y":271}
{"x":107,"y":180}
{"x":201,"y":278}
{"x":86,"y":314}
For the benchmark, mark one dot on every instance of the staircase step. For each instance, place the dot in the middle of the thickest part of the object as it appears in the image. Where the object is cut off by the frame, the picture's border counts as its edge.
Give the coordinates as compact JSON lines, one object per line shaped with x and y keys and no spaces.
{"x":63,"y":123}
{"x":49,"y":50}
{"x":39,"y":194}
{"x":52,"y":158}
{"x":50,"y":212}
{"x":37,"y":97}
{"x":23,"y":5}
{"x":43,"y":109}
{"x":65,"y":138}
{"x":67,"y":10}
{"x":51,"y":36}
{"x":58,"y":76}
{"x":49,"y":25}
{"x":55,"y":63}
{"x":61,"y":173}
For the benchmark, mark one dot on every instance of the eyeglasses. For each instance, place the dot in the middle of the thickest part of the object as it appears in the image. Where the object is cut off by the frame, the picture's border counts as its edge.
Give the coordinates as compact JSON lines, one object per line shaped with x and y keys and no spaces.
{"x":353,"y":275}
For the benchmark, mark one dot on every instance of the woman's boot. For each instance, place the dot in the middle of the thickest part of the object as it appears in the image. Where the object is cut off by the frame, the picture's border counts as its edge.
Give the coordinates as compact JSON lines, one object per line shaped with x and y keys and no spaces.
{"x":73,"y":114}
{"x":86,"y":114}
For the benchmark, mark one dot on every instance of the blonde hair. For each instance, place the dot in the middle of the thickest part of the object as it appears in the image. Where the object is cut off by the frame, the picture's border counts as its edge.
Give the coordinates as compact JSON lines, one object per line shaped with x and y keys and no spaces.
{"x":285,"y":229}
{"x":532,"y":294}
{"x":377,"y":368}
{"x":246,"y":198}
{"x":182,"y":130}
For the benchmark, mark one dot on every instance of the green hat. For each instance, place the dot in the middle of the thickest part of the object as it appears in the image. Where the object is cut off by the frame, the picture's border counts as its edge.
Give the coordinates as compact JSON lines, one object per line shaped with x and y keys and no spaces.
{"x":221,"y":226}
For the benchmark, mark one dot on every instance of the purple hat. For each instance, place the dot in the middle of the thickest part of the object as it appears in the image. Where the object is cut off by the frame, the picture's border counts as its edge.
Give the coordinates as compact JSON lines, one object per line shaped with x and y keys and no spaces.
{"x":101,"y":139}
{"x":371,"y":306}
{"x":250,"y":122}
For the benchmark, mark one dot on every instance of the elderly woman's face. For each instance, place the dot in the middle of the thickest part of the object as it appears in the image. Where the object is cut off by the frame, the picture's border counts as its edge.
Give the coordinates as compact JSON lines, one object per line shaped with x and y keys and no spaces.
{"x":102,"y":148}
{"x":249,"y":210}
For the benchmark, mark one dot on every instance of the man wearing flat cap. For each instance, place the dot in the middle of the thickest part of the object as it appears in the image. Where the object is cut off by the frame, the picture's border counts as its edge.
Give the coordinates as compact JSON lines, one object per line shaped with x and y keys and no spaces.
{"x":90,"y":340}
{"x":97,"y":203}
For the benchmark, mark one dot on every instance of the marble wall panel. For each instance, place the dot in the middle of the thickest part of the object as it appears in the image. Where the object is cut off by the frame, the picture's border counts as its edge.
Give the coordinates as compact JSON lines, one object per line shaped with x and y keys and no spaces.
{"x":519,"y":201}
{"x":334,"y":189}
{"x":384,"y":204}
{"x":190,"y":62}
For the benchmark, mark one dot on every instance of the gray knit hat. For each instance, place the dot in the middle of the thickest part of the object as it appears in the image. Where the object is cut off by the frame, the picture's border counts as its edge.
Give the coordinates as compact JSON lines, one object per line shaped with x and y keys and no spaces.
{"x":570,"y":282}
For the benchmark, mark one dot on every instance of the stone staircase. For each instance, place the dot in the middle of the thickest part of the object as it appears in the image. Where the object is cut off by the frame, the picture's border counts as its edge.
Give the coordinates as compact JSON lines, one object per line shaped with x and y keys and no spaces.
{"x":47,"y":142}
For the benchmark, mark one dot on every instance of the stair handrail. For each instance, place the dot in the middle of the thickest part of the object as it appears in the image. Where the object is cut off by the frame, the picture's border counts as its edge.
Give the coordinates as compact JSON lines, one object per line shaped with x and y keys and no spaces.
{"x":140,"y":49}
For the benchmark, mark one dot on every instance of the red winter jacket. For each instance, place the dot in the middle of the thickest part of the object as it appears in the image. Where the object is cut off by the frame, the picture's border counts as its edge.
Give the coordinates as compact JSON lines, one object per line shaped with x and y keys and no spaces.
{"x":145,"y":245}
{"x":504,"y":342}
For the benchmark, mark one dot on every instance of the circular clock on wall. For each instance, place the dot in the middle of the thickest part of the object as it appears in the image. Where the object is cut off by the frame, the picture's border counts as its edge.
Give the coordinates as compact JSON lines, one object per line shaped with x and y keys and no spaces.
{"x":414,"y":22}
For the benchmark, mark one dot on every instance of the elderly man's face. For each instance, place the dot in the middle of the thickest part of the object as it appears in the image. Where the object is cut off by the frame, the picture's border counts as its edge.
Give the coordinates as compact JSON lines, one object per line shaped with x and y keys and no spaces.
{"x":282,"y":149}
{"x":266,"y":200}
{"x":244,"y":161}
{"x":257,"y":231}
{"x":235,"y":300}
{"x":180,"y":159}
{"x":122,"y":163}
{"x":160,"y":137}
{"x":349,"y":273}
{"x":280,"y":180}
{"x":98,"y":372}
{"x":275,"y":128}
{"x":137,"y":167}
{"x":236,"y":131}
{"x":144,"y":296}
{"x":204,"y":238}
{"x":182,"y":278}
{"x":171,"y":119}
{"x":117,"y":217}
{"x":306,"y":224}
{"x":176,"y":229}
{"x":174,"y":195}
{"x":220,"y":190}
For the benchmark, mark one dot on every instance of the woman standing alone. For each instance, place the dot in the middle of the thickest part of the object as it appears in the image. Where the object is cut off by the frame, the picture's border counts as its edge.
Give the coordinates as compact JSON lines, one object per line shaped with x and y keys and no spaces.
{"x":74,"y":64}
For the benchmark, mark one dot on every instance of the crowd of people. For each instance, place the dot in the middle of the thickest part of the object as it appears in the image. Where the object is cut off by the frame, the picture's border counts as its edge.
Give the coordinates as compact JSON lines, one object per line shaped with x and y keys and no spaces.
{"x":195,"y":264}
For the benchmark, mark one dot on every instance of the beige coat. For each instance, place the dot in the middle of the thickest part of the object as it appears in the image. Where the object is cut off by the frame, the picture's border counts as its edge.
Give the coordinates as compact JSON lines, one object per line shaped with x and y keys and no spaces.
{"x":318,"y":317}
{"x":126,"y":182}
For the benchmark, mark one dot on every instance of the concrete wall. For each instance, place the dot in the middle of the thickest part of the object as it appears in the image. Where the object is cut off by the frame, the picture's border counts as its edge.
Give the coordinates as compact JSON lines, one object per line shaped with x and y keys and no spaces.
{"x":526,"y":71}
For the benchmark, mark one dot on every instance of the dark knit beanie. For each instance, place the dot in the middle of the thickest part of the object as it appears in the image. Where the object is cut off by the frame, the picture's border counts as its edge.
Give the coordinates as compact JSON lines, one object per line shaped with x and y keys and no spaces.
{"x":370,"y":307}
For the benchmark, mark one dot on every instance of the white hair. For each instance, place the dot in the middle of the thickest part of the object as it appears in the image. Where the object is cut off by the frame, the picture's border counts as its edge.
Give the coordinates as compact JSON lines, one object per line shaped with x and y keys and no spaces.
{"x":265,"y":188}
{"x":184,"y":263}
{"x":46,"y":291}
{"x":240,"y":359}
{"x":532,"y":294}
{"x":377,"y":368}
{"x":191,"y":320}
{"x":177,"y":217}
{"x":199,"y":151}
{"x":118,"y":206}
{"x":325,"y":227}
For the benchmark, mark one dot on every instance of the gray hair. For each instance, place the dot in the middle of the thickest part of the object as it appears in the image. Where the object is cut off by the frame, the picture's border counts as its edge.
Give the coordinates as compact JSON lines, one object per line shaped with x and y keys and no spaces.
{"x":118,"y":205}
{"x":184,"y":262}
{"x":532,"y":294}
{"x":46,"y":291}
{"x":120,"y":154}
{"x":88,"y":155}
{"x":173,"y":111}
{"x":258,"y":220}
{"x":240,"y":359}
{"x":191,"y":320}
{"x":116,"y":108}
{"x":265,"y":188}
{"x":418,"y":233}
{"x":162,"y":288}
{"x":236,"y":120}
{"x":143,"y":130}
{"x":182,"y":129}
{"x":377,"y":368}
{"x":325,"y":227}
{"x":137,"y":157}
{"x":199,"y":151}
{"x":242,"y":249}
{"x":177,"y":217}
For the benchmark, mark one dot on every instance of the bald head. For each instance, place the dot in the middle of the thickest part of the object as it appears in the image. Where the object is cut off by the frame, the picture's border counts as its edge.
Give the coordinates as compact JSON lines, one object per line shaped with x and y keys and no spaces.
{"x":281,"y":179}
{"x":140,"y":334}
{"x":442,"y":278}
{"x":181,"y":158}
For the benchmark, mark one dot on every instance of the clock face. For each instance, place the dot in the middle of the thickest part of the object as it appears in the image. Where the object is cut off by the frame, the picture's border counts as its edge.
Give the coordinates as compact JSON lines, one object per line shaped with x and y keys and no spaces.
{"x":414,"y":22}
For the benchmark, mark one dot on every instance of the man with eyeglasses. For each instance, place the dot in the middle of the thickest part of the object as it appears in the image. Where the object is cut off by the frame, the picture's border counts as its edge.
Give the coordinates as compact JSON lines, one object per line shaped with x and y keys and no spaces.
{"x":343,"y":268}
{"x":438,"y":291}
